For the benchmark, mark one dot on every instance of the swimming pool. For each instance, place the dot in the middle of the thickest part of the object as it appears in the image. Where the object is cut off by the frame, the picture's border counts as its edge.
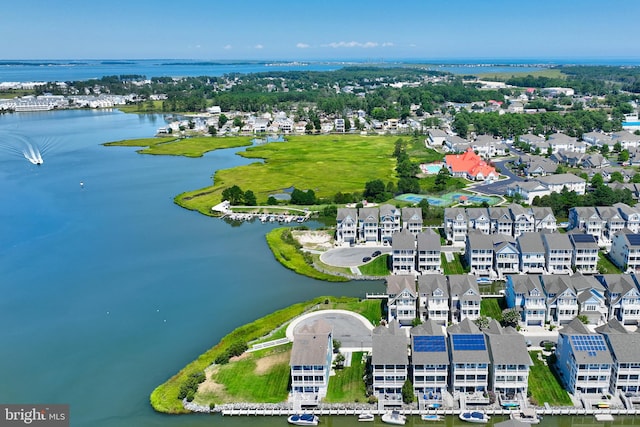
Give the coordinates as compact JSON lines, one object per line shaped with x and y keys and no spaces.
{"x":431,"y":168}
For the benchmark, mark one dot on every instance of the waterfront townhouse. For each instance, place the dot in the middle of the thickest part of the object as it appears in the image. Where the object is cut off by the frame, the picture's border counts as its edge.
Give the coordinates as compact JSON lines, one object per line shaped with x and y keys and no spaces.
{"x":430,"y":363}
{"x":625,"y":251}
{"x":612,"y":222}
{"x":631,"y":217}
{"x":526,"y":294}
{"x":412,"y":220}
{"x":587,"y":220}
{"x":523,"y":221}
{"x":346,"y":225}
{"x":592,"y":300}
{"x":389,"y":222}
{"x":455,"y":224}
{"x":561,"y":299}
{"x":583,"y":359}
{"x":558,"y":252}
{"x":544,"y":219}
{"x":368,"y":221}
{"x":389,"y":363}
{"x":469,"y":358}
{"x":428,"y":248}
{"x":509,"y":375}
{"x":434,"y":298}
{"x":625,"y":348}
{"x":623,"y":297}
{"x":584,"y":258}
{"x":464,"y":297}
{"x":402,"y":299}
{"x":506,"y":256}
{"x":403,"y":252}
{"x":501,"y":221}
{"x":310,"y":362}
{"x":479,"y":220}
{"x":532,"y":253}
{"x":479,"y":254}
{"x":555,"y":183}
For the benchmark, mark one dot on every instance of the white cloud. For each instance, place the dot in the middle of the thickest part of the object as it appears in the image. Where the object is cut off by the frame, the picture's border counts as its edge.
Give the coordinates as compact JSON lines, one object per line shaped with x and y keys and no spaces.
{"x":258,"y":46}
{"x":351,"y":44}
{"x":227,"y":47}
{"x":302,"y":45}
{"x":387,"y":44}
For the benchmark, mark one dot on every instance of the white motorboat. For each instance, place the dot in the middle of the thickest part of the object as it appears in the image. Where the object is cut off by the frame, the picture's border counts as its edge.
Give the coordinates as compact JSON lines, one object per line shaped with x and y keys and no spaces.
{"x":366,"y":416}
{"x":394,"y":417}
{"x":526,"y":415}
{"x":474,"y":417}
{"x":431,"y":417}
{"x":303,"y":420}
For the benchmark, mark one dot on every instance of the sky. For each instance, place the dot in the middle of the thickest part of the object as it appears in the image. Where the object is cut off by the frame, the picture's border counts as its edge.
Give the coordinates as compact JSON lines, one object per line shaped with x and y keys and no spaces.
{"x":320,"y":30}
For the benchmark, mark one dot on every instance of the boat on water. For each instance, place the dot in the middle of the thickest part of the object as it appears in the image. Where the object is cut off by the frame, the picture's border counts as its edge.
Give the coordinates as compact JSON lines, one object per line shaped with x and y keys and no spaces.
{"x":431,"y":417}
{"x":526,"y":415}
{"x":474,"y":417}
{"x":366,"y":416}
{"x":303,"y":420}
{"x":394,"y":417}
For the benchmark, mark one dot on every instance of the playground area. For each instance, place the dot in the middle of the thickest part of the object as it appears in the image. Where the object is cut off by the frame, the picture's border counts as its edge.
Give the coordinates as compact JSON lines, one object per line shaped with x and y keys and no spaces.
{"x":449,"y":199}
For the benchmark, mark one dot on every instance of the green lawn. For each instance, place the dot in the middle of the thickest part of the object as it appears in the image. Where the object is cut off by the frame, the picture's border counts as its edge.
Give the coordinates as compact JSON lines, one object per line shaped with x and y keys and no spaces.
{"x":376,"y":267}
{"x":326,"y":164}
{"x":454,"y":267}
{"x":490,"y":307}
{"x":544,"y":386}
{"x":605,"y":266}
{"x":347,"y":384}
{"x":189,"y":147}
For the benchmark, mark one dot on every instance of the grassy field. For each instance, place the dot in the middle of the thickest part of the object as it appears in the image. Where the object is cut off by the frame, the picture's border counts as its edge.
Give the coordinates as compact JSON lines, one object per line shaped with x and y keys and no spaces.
{"x":490,"y":307}
{"x":605,"y":266}
{"x":189,"y":147}
{"x":143,"y":107}
{"x":291,"y":257}
{"x":454,"y":267}
{"x":347,"y":384}
{"x":507,"y":75}
{"x":376,"y":267}
{"x":544,"y":386}
{"x":325,"y":164}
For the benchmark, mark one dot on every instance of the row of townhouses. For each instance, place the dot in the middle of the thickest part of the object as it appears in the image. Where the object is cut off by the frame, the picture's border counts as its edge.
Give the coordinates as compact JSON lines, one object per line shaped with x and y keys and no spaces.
{"x":375,"y":224}
{"x":603,"y":222}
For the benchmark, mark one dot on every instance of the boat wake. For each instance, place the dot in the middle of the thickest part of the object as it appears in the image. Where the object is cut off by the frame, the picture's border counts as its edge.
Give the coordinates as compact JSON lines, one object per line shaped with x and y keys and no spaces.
{"x":17,"y":145}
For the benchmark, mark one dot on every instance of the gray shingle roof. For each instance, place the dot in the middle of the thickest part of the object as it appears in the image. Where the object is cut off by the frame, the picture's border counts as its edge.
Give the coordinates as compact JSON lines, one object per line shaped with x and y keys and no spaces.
{"x":428,"y":240}
{"x":403,"y":240}
{"x":369,"y":213}
{"x":347,"y":212}
{"x":501,"y":339}
{"x":310,"y":344}
{"x":530,"y":243}
{"x":398,"y":283}
{"x":389,"y":345}
{"x":428,"y":283}
{"x":557,"y":241}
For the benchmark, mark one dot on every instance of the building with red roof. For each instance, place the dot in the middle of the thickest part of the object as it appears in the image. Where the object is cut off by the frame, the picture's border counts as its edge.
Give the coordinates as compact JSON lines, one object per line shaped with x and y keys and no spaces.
{"x":471,"y":166}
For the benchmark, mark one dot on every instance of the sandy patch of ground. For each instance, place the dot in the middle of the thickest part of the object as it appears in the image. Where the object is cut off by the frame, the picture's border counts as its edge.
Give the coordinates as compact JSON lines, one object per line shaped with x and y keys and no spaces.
{"x":209,"y":385}
{"x":314,"y":239}
{"x":265,"y":363}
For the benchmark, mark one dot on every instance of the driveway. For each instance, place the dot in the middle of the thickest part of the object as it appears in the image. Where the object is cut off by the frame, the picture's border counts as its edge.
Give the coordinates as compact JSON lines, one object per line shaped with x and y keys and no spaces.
{"x":351,"y":329}
{"x":350,"y":257}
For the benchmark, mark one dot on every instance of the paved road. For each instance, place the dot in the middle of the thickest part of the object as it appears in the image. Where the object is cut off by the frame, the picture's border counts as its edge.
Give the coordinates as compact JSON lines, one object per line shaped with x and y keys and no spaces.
{"x":348,"y":328}
{"x":351,"y":257}
{"x":499,"y":187}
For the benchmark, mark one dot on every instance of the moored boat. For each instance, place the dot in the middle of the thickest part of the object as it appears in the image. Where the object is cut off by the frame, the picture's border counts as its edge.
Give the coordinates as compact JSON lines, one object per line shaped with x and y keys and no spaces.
{"x":303,"y":420}
{"x":431,"y":417}
{"x":526,"y":415}
{"x":394,"y":417}
{"x":474,"y":417}
{"x":366,"y":416}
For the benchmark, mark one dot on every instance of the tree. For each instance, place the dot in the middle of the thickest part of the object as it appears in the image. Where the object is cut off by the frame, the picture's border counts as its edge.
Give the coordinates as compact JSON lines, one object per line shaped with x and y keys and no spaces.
{"x":510,"y":317}
{"x":604,"y":150}
{"x":616,"y":177}
{"x":222,"y":120}
{"x":597,"y":180}
{"x":272,"y":201}
{"x":442,"y":179}
{"x":407,"y":392}
{"x":233,"y":194}
{"x":482,"y":322}
{"x":212,"y":130}
{"x":237,"y":122}
{"x":424,"y":205}
{"x":636,"y":178}
{"x":408,"y":185}
{"x":583,"y":318}
{"x":623,"y":156}
{"x":250,"y":198}
{"x":375,"y":191}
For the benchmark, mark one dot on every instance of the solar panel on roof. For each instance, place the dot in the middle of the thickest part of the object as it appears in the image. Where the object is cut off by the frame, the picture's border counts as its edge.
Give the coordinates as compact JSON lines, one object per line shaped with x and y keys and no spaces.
{"x":583,"y":238}
{"x":634,"y":239}
{"x":429,"y":343}
{"x":588,"y":343}
{"x":468,"y":342}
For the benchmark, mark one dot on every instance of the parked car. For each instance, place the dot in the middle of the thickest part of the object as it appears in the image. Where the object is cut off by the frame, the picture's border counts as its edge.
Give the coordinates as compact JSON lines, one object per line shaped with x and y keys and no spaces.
{"x":547,"y":344}
{"x":376,"y":253}
{"x":366,"y":259}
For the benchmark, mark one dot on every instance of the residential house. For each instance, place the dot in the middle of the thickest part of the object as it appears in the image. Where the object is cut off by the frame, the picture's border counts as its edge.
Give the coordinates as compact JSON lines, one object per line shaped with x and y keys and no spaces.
{"x":598,"y":139}
{"x":479,"y":220}
{"x":310,"y":362}
{"x":583,"y":359}
{"x":429,"y":249}
{"x":523,"y":221}
{"x":433,"y":302}
{"x":532,"y":253}
{"x":540,"y":166}
{"x":479,"y":254}
{"x":346,"y":225}
{"x":501,"y":222}
{"x":455,"y":144}
{"x":584,"y":258}
{"x":389,"y":222}
{"x":625,"y":250}
{"x":469,"y":358}
{"x":592,"y":300}
{"x":436,"y":138}
{"x":623,"y":298}
{"x":456,"y":224}
{"x":630,"y":215}
{"x":389,"y":363}
{"x":488,"y":146}
{"x":471,"y":166}
{"x":403,"y":252}
{"x":595,"y":161}
{"x":561,"y":299}
{"x":625,"y":348}
{"x":412,"y":220}
{"x":612,"y":222}
{"x":626,"y":139}
{"x":555,"y":183}
{"x":527,"y":190}
{"x":587,"y":220}
{"x":430,"y":363}
{"x":526,"y":294}
{"x":544,"y":219}
{"x":506,"y":257}
{"x":368,"y":224}
{"x":509,"y":369}
{"x":464,"y":297}
{"x":558,"y":253}
{"x":402,"y":299}
{"x":560,"y":141}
